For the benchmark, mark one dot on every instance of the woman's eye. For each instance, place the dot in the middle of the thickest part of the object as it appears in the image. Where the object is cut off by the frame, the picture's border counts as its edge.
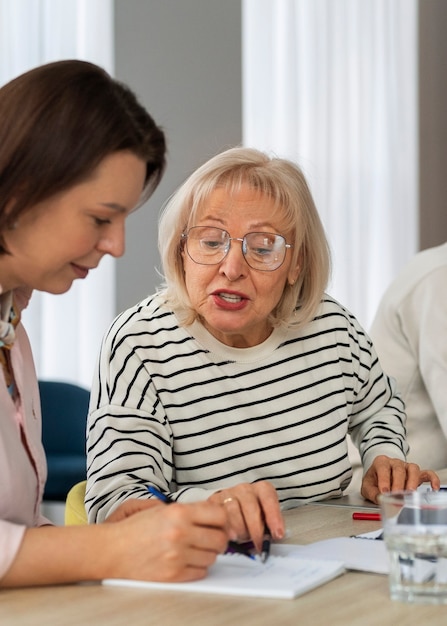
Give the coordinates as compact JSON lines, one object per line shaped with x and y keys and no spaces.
{"x":101,"y":221}
{"x":262,"y":251}
{"x":212,"y":245}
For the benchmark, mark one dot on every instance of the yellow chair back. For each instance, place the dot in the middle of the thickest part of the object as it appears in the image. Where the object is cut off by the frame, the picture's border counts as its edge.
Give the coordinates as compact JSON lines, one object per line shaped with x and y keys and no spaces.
{"x":75,"y":513}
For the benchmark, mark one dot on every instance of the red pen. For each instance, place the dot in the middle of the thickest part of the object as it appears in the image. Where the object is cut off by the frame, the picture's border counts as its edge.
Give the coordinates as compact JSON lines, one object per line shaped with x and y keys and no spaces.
{"x":374,"y":517}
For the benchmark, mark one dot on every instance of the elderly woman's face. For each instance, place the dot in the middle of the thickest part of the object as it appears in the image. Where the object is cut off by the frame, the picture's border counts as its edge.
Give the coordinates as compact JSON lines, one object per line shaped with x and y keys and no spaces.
{"x":233,"y":299}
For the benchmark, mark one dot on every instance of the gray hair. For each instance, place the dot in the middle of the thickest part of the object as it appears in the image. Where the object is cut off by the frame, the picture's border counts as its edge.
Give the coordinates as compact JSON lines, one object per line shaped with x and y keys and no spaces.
{"x":284,"y":183}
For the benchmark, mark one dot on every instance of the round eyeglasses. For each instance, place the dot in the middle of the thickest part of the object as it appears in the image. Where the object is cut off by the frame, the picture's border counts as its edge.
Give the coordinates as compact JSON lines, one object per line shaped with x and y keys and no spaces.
{"x":209,"y":246}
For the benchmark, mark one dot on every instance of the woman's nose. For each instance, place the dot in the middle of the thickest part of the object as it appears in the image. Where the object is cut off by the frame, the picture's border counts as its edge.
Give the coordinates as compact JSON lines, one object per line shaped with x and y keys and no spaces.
{"x":113,"y":242}
{"x":234,"y":264}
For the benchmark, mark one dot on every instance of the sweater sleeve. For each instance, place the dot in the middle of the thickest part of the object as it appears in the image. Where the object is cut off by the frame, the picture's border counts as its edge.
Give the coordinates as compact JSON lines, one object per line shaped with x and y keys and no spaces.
{"x":129,"y":439}
{"x":377,"y":412}
{"x":423,"y":316}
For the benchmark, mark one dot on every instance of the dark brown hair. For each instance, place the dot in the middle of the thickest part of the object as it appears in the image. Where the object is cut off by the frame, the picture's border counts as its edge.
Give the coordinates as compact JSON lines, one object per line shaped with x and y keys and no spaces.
{"x":57,"y":122}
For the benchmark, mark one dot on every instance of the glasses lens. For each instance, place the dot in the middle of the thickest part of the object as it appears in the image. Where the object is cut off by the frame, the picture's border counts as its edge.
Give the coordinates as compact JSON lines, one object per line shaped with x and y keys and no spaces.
{"x":265,"y":251}
{"x":207,"y":246}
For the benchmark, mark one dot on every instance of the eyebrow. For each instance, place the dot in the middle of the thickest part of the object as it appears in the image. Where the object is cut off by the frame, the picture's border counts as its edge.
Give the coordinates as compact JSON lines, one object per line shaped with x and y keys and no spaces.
{"x":115,"y":206}
{"x":256,"y":225}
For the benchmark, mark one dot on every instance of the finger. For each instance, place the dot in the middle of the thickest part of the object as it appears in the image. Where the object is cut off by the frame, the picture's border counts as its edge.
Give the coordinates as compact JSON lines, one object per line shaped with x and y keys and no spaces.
{"x":252,"y":511}
{"x":193,"y":573}
{"x":271,"y":508}
{"x":403,"y":475}
{"x":429,"y":476}
{"x":369,"y":490}
{"x":263,"y":513}
{"x":207,"y":514}
{"x":413,"y":474}
{"x":186,"y":568}
{"x":237,"y":527}
{"x":230,"y":505}
{"x":206,"y":544}
{"x":260,"y":507}
{"x":197,"y":529}
{"x":382,"y":477}
{"x":245,"y":513}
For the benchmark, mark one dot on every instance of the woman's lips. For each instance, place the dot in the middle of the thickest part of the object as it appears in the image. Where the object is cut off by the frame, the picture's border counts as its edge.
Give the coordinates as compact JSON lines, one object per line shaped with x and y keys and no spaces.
{"x":229,"y":300}
{"x":81,"y":272}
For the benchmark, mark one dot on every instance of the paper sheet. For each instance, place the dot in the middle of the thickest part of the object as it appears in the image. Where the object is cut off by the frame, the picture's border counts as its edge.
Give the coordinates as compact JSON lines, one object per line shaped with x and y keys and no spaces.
{"x":361,"y":553}
{"x":279,"y":577}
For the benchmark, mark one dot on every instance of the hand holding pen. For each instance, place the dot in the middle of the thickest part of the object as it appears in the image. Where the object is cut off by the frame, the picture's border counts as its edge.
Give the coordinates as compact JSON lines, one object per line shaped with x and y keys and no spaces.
{"x":233,"y":546}
{"x":254,"y":513}
{"x":164,"y":543}
{"x":247,"y":548}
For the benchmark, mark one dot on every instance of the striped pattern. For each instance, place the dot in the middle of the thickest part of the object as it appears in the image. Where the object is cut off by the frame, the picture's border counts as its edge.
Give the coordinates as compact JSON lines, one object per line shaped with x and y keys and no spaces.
{"x":174,"y":407}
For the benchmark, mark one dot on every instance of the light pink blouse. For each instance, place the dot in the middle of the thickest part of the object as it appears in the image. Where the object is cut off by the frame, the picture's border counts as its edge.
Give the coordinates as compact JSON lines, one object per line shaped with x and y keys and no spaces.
{"x":23,"y":467}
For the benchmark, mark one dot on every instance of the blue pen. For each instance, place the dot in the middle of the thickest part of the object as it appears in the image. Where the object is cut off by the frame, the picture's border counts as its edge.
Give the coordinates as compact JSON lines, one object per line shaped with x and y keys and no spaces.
{"x":159,"y":494}
{"x":266,"y":545}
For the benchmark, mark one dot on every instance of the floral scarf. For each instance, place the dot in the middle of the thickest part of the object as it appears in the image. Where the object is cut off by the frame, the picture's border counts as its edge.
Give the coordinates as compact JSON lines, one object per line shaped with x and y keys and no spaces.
{"x":9,"y":318}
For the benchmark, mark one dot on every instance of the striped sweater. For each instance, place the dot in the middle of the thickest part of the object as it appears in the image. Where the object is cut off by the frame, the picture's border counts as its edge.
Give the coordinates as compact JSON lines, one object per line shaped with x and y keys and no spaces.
{"x":174,"y":407}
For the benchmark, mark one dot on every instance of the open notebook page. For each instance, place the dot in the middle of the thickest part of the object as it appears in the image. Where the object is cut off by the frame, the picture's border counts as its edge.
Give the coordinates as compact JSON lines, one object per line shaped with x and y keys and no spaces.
{"x":235,"y":574}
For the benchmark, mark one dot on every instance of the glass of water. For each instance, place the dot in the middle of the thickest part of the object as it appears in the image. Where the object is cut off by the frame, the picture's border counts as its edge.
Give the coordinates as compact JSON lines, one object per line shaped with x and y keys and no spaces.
{"x":415,"y":533}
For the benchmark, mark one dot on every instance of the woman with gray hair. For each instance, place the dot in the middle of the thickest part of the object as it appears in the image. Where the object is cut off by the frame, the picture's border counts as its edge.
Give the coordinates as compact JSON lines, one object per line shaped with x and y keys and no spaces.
{"x":240,"y":379}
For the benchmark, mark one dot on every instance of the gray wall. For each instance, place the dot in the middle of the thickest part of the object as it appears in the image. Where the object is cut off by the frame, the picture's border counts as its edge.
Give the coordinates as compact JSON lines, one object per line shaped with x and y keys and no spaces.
{"x":432,"y":122}
{"x":183,"y":59}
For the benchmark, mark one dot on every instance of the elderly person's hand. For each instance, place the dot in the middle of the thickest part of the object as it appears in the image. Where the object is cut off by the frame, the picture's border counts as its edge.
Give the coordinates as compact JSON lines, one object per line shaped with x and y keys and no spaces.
{"x":251,"y":507}
{"x":388,"y":474}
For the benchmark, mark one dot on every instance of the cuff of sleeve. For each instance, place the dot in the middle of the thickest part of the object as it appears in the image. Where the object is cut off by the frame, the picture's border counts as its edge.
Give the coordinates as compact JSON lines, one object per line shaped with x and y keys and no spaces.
{"x":388,"y":450}
{"x":11,"y":536}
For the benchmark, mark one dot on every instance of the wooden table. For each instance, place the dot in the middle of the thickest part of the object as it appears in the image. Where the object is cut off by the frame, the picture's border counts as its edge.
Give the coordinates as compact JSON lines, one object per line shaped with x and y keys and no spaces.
{"x":353,"y":598}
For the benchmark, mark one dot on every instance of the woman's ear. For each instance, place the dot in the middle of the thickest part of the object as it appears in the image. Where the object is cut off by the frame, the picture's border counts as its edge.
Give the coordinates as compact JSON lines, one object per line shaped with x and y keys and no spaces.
{"x":293,"y":274}
{"x":7,"y":211}
{"x":8,"y":207}
{"x":294,"y":271}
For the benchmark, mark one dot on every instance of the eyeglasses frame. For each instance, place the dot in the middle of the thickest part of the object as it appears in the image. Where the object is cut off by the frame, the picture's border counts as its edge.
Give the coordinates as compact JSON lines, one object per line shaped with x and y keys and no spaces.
{"x":243,"y":241}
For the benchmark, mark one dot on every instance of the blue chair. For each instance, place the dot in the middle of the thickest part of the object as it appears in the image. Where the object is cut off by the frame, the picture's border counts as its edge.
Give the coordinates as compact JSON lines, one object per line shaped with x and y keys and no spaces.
{"x":64,"y":417}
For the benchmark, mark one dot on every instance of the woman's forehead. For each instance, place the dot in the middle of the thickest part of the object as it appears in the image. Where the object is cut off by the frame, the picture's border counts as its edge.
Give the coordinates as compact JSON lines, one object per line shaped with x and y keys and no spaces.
{"x":243,"y":199}
{"x":227,"y":197}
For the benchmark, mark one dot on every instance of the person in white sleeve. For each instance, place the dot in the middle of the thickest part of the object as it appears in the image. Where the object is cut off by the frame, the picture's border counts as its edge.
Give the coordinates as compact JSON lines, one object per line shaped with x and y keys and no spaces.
{"x":410,"y":335}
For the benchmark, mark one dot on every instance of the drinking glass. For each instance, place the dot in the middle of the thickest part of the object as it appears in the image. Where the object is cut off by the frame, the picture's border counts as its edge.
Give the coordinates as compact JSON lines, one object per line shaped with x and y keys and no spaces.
{"x":415,"y":533}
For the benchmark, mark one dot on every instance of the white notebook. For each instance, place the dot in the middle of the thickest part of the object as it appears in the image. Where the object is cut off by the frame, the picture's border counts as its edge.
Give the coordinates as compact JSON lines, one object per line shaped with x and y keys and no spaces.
{"x":235,"y":574}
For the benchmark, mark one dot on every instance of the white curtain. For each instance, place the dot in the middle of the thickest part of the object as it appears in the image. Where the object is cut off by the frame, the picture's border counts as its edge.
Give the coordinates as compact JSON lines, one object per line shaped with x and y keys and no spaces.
{"x":332,"y":85}
{"x":65,"y":331}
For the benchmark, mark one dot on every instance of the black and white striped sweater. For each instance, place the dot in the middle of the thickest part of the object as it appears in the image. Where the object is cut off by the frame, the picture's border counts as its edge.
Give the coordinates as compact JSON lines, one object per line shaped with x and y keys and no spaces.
{"x":174,"y":407}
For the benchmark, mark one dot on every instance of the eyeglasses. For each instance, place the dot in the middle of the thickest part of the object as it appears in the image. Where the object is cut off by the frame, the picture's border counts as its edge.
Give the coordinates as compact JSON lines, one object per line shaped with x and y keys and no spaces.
{"x":209,"y":246}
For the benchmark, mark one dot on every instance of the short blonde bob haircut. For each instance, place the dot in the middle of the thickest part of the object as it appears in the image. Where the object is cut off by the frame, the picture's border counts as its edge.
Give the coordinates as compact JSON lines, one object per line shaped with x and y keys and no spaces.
{"x":283,"y":182}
